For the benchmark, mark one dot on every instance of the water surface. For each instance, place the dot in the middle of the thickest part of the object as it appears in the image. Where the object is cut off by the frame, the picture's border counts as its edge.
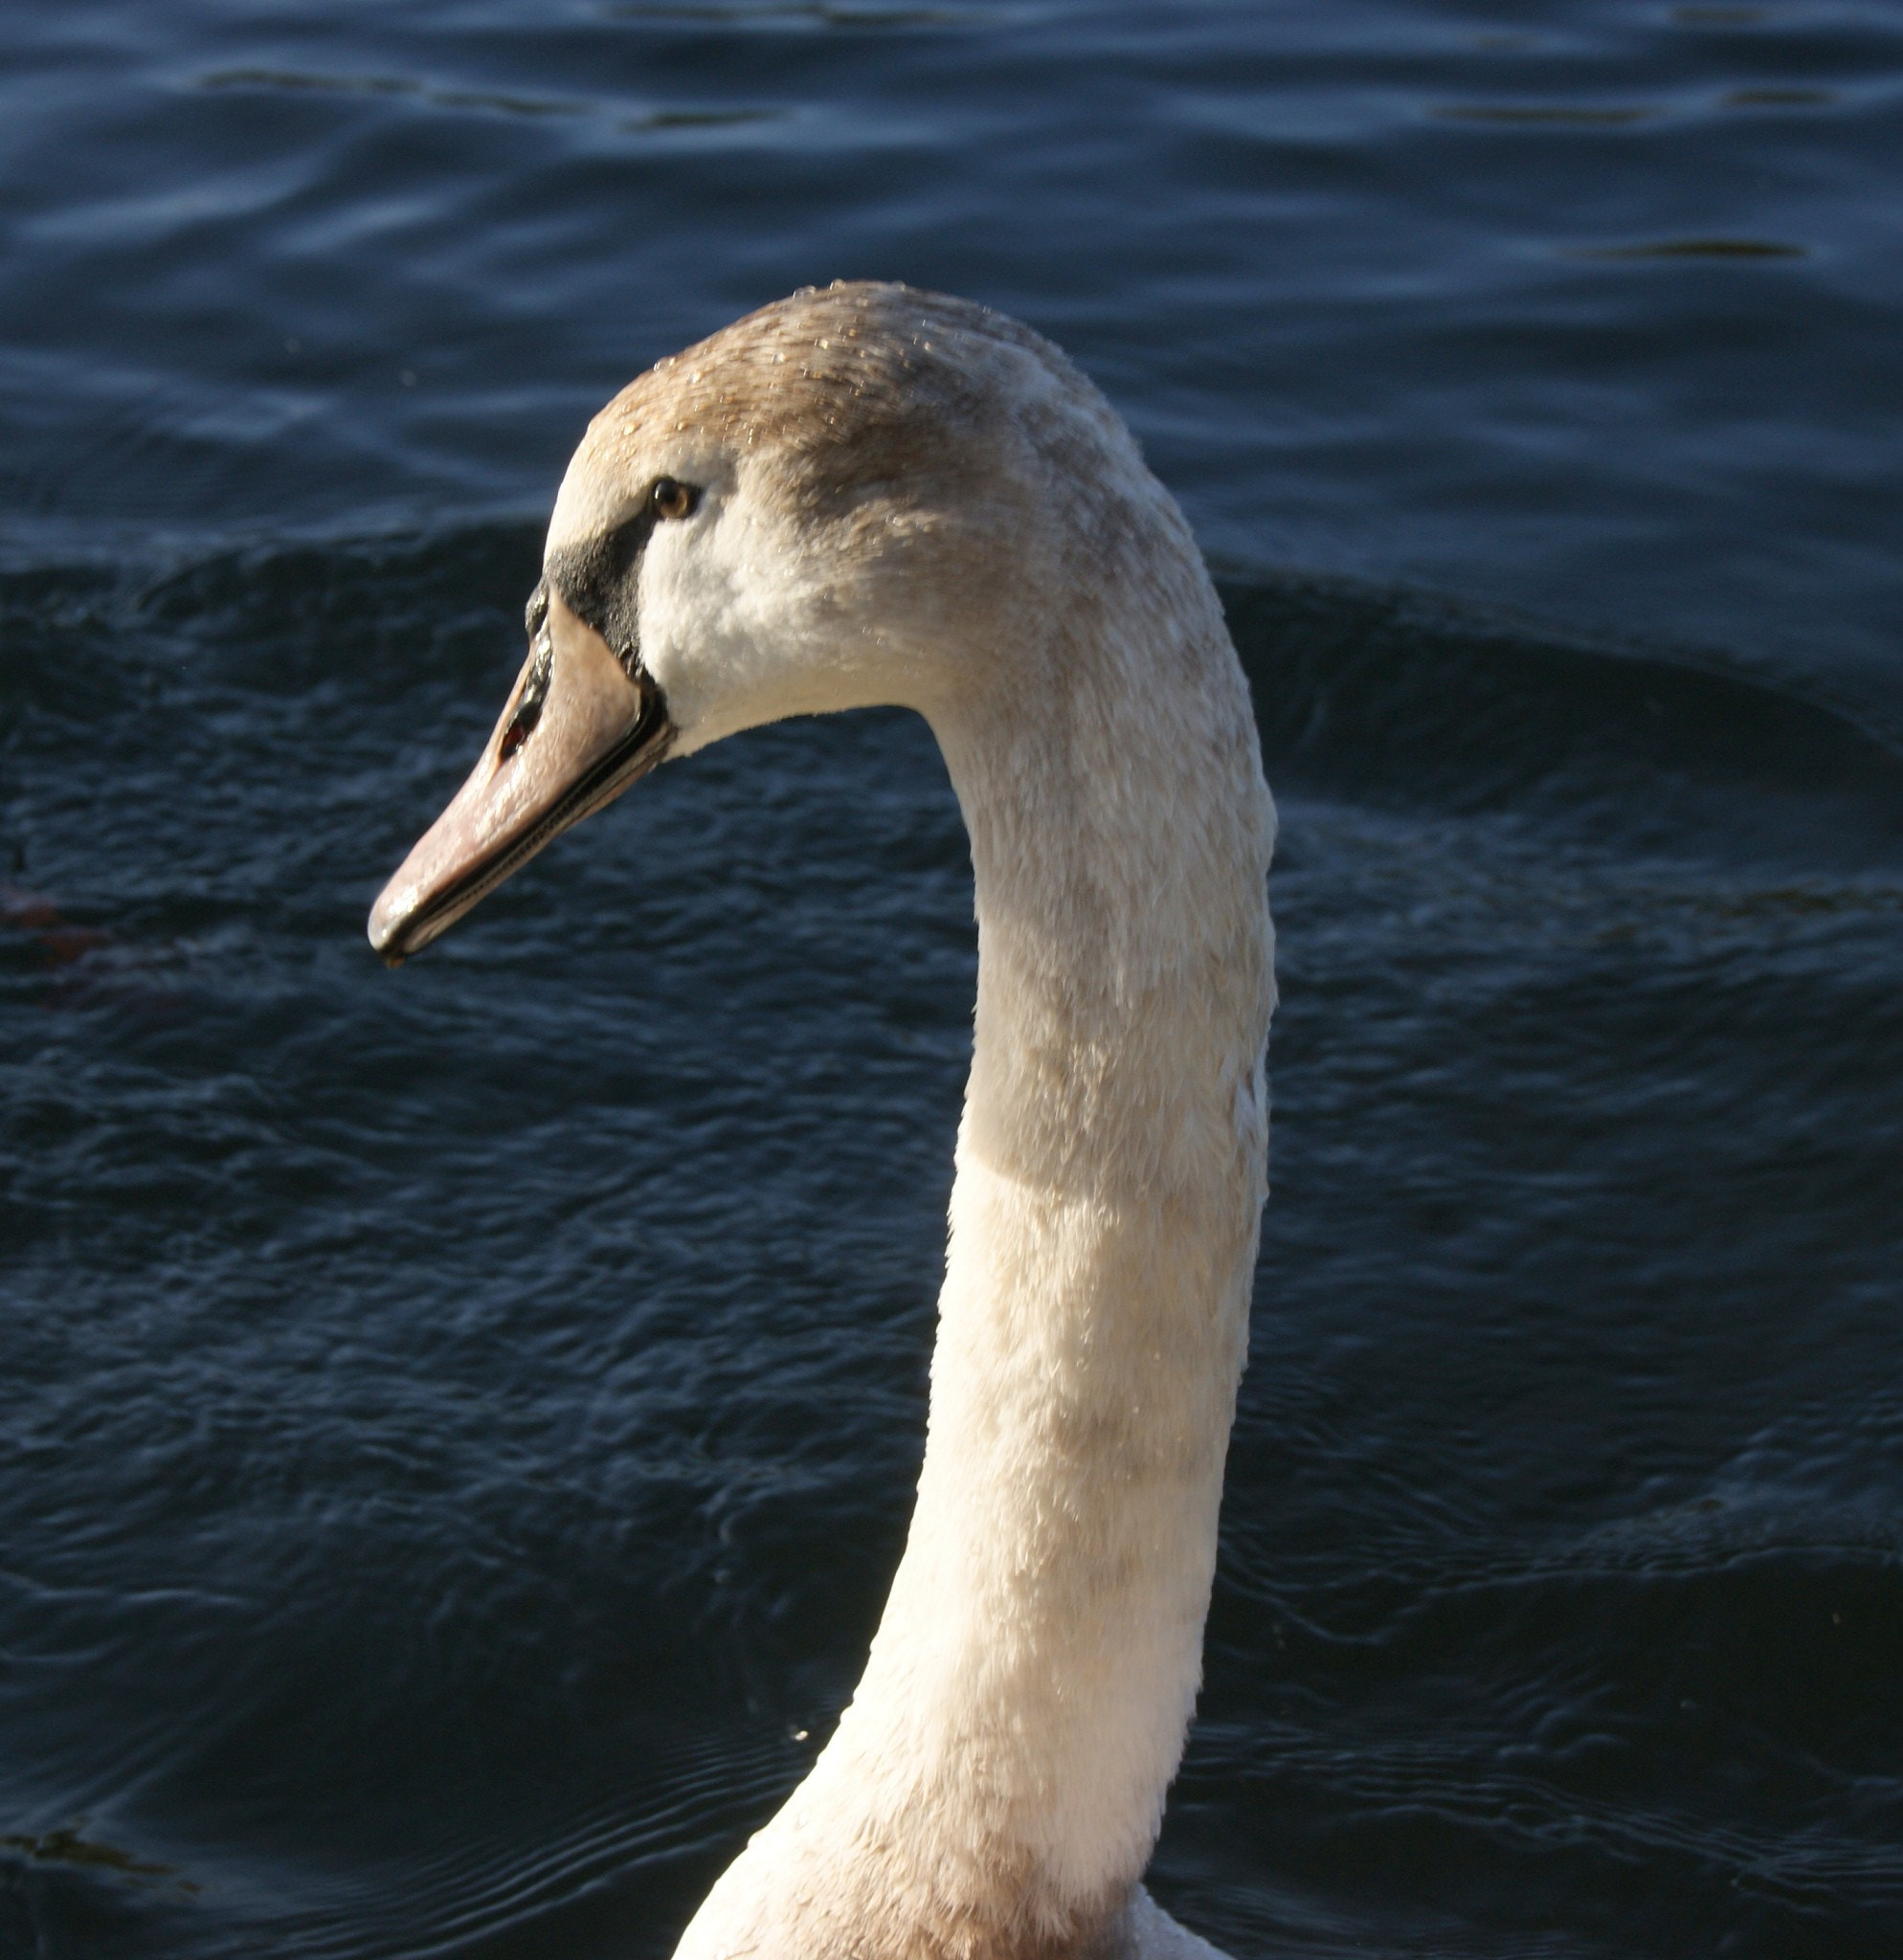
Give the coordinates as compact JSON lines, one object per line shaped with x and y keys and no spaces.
{"x":460,"y":1424}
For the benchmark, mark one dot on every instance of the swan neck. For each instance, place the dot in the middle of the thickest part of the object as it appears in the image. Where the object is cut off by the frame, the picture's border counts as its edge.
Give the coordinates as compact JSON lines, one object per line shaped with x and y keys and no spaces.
{"x":995,"y":1787}
{"x":1039,"y":1658}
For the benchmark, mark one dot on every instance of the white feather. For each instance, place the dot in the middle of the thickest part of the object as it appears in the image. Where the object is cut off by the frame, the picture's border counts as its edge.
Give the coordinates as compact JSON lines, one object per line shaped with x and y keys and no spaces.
{"x":996,"y":1786}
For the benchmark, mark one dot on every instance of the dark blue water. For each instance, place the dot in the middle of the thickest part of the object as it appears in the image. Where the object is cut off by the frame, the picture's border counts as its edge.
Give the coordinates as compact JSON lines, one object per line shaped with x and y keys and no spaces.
{"x":457,"y":1427}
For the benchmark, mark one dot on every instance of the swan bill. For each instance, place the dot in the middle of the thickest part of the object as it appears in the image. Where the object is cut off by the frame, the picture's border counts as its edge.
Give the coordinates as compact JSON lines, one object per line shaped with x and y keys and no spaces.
{"x":580,"y":726}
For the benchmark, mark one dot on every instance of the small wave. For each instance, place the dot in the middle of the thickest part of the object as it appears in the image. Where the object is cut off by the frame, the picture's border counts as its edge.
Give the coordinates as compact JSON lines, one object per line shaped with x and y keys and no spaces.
{"x":792,"y":13}
{"x":1779,"y":99}
{"x":494,"y":102}
{"x":477,"y":1892}
{"x":1398,"y":697}
{"x":1699,"y":248}
{"x":300,"y":81}
{"x":1552,"y":115}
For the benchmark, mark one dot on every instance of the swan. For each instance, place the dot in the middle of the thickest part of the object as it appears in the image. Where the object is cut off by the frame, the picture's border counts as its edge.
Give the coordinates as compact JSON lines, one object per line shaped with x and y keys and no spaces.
{"x":874,"y":495}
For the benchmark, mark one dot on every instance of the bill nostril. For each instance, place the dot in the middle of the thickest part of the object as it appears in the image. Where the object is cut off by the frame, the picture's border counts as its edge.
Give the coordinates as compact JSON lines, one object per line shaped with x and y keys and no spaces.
{"x":535,"y":692}
{"x":519,"y":730}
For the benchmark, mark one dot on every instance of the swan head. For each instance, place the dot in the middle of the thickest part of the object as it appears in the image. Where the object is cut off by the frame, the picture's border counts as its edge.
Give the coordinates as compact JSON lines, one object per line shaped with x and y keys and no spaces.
{"x":854,"y":497}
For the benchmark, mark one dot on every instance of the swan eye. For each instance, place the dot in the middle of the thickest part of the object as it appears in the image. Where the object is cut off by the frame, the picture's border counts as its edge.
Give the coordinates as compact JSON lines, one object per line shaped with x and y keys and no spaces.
{"x":670,"y":499}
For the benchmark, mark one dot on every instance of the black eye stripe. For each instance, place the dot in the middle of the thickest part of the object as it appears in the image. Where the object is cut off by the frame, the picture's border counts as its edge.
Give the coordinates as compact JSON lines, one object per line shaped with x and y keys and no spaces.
{"x":599,"y":579}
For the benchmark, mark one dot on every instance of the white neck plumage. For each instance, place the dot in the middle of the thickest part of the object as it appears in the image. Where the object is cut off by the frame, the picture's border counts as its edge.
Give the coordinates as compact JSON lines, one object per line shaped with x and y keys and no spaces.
{"x":995,"y":1787}
{"x":873,"y":495}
